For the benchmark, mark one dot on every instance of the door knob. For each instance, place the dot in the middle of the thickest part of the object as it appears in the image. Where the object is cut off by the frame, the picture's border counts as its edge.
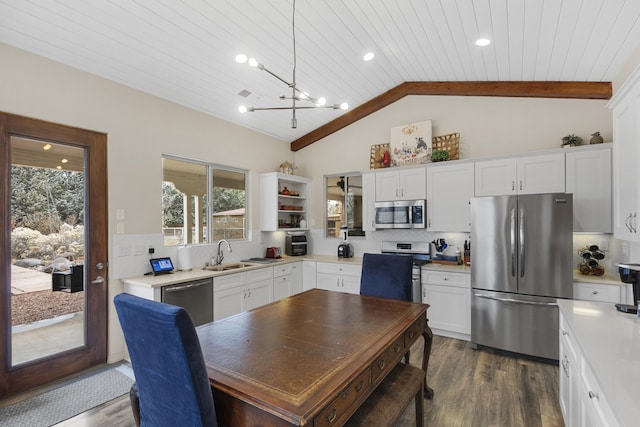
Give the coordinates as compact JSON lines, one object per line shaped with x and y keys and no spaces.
{"x":99,"y":266}
{"x":99,"y":280}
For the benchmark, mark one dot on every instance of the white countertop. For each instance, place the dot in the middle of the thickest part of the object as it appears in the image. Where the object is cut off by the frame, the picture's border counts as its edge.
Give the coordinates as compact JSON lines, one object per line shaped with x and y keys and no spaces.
{"x":196,"y":274}
{"x":610,"y":342}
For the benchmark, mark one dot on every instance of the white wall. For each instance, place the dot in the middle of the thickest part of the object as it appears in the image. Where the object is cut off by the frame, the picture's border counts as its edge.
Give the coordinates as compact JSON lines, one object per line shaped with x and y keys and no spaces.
{"x":488,"y":126}
{"x":140,"y":129}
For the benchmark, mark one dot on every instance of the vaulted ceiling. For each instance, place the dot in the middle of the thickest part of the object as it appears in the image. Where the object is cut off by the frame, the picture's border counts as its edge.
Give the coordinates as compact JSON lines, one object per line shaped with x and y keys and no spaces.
{"x":184,"y":51}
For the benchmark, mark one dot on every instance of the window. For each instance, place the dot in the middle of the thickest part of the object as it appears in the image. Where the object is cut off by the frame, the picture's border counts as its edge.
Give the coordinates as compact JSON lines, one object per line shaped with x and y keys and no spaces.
{"x":187,"y":215}
{"x":344,"y":204}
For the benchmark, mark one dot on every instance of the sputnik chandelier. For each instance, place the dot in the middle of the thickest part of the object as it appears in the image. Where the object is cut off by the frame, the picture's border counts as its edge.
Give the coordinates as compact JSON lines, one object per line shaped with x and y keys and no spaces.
{"x":297,"y":96}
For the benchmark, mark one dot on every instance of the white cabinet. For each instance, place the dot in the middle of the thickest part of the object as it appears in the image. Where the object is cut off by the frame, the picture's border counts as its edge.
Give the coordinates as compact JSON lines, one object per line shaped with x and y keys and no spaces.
{"x":449,"y":297}
{"x":338,"y":277}
{"x":287,"y":280}
{"x":368,"y":201}
{"x":238,"y":292}
{"x":626,"y":116}
{"x":530,"y":174}
{"x":404,"y":184}
{"x":569,"y":377}
{"x":600,"y":292}
{"x":283,"y":211}
{"x":588,"y":178}
{"x":449,"y":192}
{"x":582,"y":400}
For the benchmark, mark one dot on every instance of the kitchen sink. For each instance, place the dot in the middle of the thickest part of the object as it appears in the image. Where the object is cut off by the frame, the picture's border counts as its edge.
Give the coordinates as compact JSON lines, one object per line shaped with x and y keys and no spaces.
{"x":227,"y":267}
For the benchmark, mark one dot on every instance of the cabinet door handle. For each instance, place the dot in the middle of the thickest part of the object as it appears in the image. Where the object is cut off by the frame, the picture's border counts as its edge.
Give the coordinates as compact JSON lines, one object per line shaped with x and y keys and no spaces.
{"x":520,"y":184}
{"x":593,"y":395}
{"x":634,"y":220}
{"x":627,"y":222}
{"x":396,"y":193}
{"x":513,"y":186}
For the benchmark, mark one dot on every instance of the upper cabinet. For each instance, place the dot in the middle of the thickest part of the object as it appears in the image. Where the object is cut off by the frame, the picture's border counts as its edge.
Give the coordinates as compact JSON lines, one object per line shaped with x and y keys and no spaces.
{"x":449,"y":191}
{"x":588,"y":178}
{"x":626,"y":116}
{"x":404,"y":184}
{"x":528,"y":174}
{"x":284,"y":201}
{"x":368,"y":200}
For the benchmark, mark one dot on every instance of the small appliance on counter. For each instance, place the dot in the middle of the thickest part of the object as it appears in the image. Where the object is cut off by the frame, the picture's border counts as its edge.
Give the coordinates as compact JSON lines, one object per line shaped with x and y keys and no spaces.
{"x":345,"y":249}
{"x":273,"y":252}
{"x":630,"y":273}
{"x":295,"y":243}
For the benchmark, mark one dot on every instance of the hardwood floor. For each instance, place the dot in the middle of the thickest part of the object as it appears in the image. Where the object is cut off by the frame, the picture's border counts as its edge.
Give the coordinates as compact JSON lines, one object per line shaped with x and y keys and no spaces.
{"x":472,"y":388}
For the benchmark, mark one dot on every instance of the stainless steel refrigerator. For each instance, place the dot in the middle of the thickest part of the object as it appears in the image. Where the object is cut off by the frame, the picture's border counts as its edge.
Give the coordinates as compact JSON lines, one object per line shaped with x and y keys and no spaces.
{"x":521,"y":248}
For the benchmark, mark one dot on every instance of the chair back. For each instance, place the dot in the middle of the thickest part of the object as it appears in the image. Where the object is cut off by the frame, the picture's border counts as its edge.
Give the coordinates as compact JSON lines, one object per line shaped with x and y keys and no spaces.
{"x":167,"y":361}
{"x":387,"y":276}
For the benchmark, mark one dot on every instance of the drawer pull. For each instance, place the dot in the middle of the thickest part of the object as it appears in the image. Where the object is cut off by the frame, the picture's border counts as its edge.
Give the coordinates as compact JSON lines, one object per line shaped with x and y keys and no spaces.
{"x":381,"y":364}
{"x":331,"y":416}
{"x":396,"y":348}
{"x":593,"y":395}
{"x":412,"y":333}
{"x":565,"y":332}
{"x":345,"y":393}
{"x":595,"y":292}
{"x":359,"y":386}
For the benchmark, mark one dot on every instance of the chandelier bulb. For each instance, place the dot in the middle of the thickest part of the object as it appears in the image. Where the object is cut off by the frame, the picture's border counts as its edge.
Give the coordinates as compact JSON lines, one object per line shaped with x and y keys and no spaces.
{"x":344,"y":106}
{"x":242,"y":109}
{"x":241,"y":58}
{"x":253,"y":62}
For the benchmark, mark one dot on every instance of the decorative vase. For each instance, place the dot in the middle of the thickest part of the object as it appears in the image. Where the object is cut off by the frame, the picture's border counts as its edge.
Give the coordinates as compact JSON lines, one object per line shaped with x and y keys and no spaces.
{"x":596,"y":138}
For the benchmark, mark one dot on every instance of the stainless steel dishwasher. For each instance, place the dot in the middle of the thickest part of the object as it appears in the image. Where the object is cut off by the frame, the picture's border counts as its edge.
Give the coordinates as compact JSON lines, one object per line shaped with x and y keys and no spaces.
{"x":196,"y":297}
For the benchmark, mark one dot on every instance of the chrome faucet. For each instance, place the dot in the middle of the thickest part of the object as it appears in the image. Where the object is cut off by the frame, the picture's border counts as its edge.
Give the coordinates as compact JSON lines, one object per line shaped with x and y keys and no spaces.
{"x":220,"y":255}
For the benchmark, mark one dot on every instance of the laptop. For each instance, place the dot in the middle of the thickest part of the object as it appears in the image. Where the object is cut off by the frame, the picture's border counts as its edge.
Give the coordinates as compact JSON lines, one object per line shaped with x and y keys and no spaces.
{"x":161,"y":265}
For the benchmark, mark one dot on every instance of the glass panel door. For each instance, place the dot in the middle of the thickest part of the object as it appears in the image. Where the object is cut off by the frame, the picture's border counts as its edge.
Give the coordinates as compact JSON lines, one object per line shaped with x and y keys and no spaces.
{"x":47,"y":188}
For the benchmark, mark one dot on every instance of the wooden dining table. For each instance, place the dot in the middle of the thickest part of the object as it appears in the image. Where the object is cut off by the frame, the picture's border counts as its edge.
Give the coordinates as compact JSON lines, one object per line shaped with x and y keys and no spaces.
{"x":308,"y":360}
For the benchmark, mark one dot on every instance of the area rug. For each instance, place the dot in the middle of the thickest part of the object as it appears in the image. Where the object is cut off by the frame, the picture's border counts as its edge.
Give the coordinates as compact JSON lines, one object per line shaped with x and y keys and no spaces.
{"x":68,"y":400}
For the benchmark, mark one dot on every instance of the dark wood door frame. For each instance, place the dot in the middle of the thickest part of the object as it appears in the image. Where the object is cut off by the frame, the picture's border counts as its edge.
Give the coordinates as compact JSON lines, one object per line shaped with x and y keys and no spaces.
{"x":14,"y":379}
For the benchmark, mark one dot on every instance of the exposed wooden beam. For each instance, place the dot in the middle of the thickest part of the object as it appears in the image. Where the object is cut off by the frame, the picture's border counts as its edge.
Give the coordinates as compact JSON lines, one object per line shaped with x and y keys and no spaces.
{"x":578,"y":90}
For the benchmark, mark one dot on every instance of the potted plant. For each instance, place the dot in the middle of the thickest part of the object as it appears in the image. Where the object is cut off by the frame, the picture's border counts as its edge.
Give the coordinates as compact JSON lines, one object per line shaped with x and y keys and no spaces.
{"x":440,"y":155}
{"x":571,"y":140}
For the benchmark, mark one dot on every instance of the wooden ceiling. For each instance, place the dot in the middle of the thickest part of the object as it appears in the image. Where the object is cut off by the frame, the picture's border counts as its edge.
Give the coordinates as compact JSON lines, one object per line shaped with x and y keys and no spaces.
{"x":183,"y":51}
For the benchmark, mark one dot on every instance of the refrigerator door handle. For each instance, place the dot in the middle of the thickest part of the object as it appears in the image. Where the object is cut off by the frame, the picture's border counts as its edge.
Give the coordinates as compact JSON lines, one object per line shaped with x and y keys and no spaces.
{"x":512,"y":228}
{"x":517,"y":301}
{"x":521,"y":242}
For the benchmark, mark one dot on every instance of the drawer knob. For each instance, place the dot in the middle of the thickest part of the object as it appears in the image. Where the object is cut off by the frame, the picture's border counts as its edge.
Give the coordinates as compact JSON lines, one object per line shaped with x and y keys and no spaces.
{"x":396,"y":348}
{"x":331,"y":416}
{"x":595,"y":292}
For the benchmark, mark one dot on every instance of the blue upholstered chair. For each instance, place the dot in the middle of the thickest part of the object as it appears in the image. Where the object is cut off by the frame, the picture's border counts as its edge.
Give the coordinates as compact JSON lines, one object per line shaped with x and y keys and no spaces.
{"x":387,"y":276}
{"x":171,"y":379}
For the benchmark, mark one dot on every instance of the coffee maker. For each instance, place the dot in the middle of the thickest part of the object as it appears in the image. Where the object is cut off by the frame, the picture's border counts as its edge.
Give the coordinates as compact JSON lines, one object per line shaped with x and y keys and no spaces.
{"x":630,"y":273}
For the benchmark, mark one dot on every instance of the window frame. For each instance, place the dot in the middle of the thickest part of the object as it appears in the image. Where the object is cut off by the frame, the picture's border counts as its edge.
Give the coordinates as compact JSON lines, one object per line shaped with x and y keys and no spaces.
{"x":208,"y":204}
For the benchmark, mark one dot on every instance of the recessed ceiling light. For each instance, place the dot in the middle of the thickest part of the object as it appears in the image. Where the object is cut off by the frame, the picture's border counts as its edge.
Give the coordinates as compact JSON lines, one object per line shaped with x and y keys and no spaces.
{"x":59,"y":167}
{"x":64,"y":161}
{"x":483,"y":42}
{"x":368,"y":56}
{"x":47,"y":147}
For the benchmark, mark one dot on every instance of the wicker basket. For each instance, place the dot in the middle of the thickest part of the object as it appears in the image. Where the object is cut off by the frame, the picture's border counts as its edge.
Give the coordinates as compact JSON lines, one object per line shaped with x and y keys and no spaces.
{"x":449,"y":143}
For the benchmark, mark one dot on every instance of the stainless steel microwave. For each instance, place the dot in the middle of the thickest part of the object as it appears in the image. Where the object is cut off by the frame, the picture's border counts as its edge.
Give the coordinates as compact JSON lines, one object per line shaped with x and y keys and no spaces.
{"x":401,"y":214}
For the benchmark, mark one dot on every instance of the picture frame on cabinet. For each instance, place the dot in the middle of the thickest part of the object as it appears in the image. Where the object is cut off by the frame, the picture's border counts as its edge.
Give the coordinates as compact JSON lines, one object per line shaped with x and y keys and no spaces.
{"x":411,"y":143}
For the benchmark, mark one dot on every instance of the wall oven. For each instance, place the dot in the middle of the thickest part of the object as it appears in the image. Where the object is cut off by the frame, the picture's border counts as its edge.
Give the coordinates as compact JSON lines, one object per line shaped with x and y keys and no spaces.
{"x":401,"y":214}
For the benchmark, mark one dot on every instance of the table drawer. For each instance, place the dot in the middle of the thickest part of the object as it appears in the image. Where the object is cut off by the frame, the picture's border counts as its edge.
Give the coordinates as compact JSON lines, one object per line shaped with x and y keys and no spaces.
{"x":387,"y":360}
{"x":412,"y":334}
{"x":336,"y":412}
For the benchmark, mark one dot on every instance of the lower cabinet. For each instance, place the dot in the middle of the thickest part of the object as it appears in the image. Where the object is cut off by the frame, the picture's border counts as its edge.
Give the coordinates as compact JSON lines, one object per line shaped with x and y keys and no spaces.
{"x":235,"y":293}
{"x":287,"y":280}
{"x":338,"y":277}
{"x":449,"y":297}
{"x":599,"y":292}
{"x":581,"y":399}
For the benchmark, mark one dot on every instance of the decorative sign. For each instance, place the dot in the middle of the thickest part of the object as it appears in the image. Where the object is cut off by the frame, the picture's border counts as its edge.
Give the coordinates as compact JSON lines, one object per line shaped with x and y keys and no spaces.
{"x":411,"y":144}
